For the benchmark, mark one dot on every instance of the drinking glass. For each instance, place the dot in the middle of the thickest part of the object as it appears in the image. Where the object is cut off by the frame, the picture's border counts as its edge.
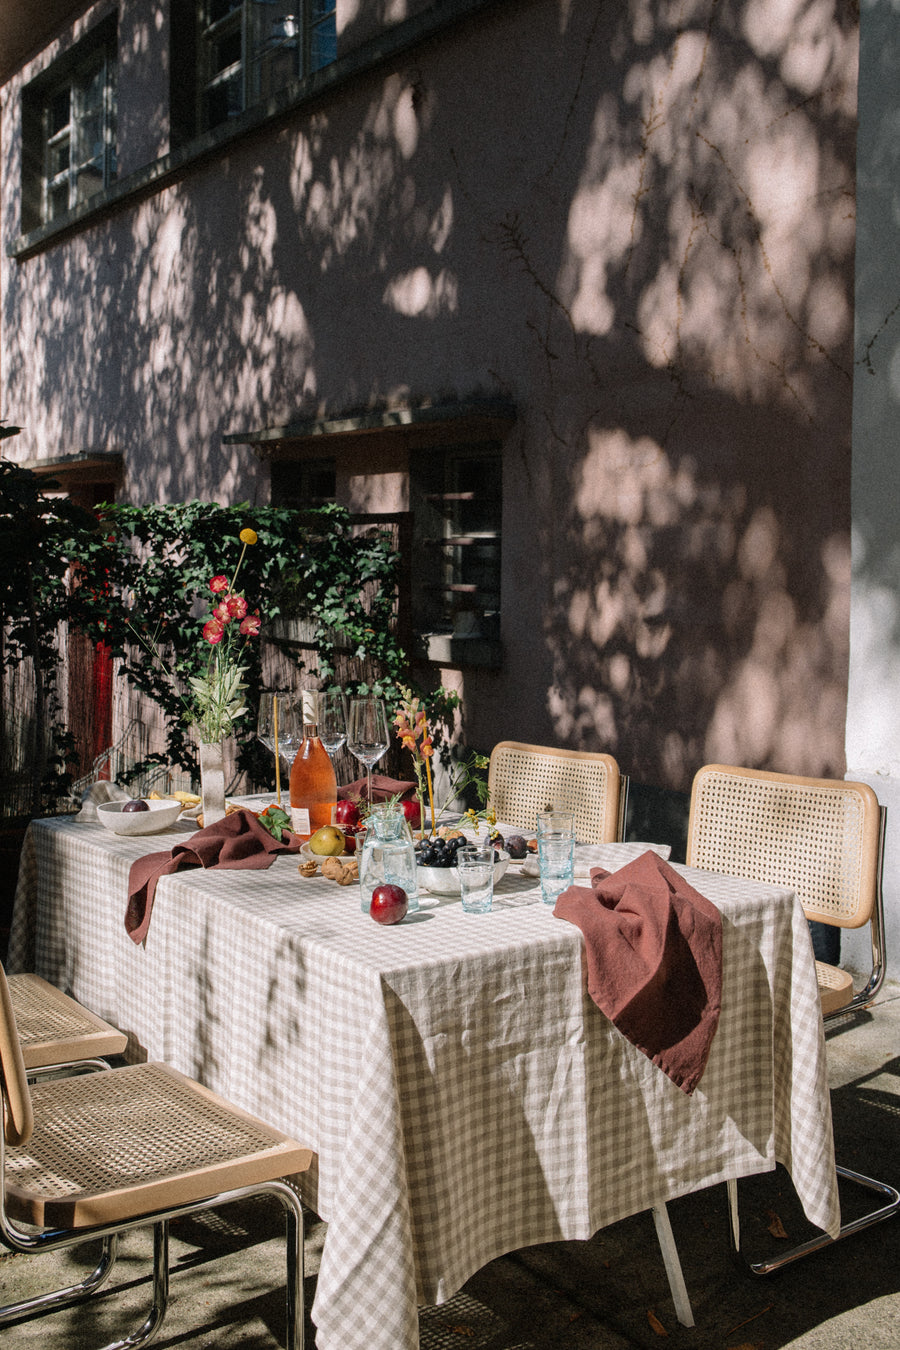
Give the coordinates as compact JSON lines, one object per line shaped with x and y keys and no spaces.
{"x":556,"y":853}
{"x":289,"y":730}
{"x":332,"y":721}
{"x":367,"y":734}
{"x":475,"y":867}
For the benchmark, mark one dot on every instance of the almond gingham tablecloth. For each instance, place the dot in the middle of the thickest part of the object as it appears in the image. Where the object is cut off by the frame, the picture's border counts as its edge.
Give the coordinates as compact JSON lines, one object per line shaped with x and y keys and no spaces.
{"x":463,"y":1094}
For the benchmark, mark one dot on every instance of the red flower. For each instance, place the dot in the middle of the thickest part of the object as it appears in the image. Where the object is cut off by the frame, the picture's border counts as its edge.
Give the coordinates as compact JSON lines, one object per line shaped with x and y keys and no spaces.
{"x":222,"y":614}
{"x":218,"y":584}
{"x":251,"y":625}
{"x":237,"y":606}
{"x":213,"y":631}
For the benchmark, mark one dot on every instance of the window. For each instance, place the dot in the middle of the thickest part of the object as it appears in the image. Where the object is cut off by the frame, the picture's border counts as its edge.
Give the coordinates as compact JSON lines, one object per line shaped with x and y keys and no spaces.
{"x":248,"y":50}
{"x":69,"y":130}
{"x":304,"y":483}
{"x":456,"y":496}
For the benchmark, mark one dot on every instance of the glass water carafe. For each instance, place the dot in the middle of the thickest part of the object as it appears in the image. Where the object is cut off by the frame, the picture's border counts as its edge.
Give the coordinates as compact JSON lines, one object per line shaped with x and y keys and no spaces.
{"x":388,"y":855}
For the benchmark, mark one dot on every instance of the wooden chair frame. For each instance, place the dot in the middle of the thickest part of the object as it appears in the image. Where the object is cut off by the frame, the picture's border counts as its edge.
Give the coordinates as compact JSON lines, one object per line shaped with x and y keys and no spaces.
{"x":167,"y":1147}
{"x":825,"y":839}
{"x":524,"y":779}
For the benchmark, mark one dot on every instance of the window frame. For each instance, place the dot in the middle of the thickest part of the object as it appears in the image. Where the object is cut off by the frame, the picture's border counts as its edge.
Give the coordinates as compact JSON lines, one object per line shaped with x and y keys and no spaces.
{"x":246,"y":72}
{"x":46,"y":136}
{"x":458,"y":583}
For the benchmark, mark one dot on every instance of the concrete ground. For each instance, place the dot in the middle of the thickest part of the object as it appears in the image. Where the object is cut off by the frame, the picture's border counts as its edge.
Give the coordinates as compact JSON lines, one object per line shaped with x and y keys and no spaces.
{"x":606,"y":1294}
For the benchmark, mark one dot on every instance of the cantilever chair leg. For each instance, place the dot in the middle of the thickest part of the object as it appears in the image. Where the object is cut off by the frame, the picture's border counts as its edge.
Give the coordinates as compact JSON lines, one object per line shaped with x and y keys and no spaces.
{"x":59,"y":1298}
{"x":683,"y":1310}
{"x":814,"y":1244}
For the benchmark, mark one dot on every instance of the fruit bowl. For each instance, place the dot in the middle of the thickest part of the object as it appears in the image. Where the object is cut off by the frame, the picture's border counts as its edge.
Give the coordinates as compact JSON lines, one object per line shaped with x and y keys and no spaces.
{"x":445,"y":880}
{"x":158,"y":816}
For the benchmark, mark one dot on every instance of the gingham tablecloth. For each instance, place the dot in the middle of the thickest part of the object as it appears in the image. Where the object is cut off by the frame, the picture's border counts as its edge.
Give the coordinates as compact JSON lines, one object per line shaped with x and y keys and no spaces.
{"x":463,"y":1094}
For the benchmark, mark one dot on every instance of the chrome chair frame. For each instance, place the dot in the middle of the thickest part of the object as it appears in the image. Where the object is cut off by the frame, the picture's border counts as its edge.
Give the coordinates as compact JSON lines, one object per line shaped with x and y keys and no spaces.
{"x":871,"y":910}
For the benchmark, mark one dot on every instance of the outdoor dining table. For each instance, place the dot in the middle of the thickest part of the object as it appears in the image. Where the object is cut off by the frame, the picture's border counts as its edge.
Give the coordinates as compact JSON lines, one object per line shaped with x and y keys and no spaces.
{"x":463,"y":1094}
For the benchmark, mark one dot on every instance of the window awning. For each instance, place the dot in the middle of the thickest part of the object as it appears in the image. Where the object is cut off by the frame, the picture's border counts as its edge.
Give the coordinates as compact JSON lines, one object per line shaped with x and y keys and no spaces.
{"x":80,"y":468}
{"x":430,"y":425}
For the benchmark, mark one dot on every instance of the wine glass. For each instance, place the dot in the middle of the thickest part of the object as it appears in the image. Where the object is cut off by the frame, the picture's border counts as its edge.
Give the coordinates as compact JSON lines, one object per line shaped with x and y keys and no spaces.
{"x":368,"y":737}
{"x":265,"y":722}
{"x":332,"y":721}
{"x":279,"y":704}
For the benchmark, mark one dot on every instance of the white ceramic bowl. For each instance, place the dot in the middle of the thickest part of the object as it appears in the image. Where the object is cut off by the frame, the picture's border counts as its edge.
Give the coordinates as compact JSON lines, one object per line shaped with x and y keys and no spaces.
{"x":445,"y":880}
{"x":159,"y":816}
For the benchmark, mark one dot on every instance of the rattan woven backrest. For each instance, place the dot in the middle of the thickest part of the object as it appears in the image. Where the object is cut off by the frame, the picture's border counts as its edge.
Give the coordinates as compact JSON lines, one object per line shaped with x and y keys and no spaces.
{"x":819,"y":836}
{"x":18,"y":1120}
{"x":525,"y":779}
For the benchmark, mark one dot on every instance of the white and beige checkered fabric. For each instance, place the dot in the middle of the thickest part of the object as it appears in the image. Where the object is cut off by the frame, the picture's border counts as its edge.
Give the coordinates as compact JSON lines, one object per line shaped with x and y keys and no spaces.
{"x":463,"y":1094}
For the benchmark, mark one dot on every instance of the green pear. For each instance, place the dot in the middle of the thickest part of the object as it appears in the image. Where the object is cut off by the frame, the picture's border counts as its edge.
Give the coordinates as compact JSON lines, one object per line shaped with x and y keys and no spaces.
{"x":328,"y":842}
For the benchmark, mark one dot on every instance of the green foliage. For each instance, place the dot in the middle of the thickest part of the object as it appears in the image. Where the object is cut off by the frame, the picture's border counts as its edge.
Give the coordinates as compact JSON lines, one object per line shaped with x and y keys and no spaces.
{"x":35,"y":530}
{"x":146,"y":572}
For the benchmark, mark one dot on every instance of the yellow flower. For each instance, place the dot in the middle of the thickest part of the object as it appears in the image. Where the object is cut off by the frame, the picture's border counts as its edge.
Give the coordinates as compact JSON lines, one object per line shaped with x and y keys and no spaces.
{"x":247,"y":536}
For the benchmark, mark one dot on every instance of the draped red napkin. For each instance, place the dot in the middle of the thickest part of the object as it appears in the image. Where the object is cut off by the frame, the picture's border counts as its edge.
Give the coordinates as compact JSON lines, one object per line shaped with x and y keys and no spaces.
{"x":654,"y":959}
{"x":383,"y":788}
{"x":236,"y":841}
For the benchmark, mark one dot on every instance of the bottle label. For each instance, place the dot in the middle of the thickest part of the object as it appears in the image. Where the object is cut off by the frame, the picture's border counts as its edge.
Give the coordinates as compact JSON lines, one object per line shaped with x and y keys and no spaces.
{"x":300,"y":820}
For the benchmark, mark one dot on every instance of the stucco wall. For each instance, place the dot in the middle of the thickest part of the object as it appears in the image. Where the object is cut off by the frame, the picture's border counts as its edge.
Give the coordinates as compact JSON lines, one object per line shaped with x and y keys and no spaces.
{"x":873,"y":724}
{"x":639,"y":227}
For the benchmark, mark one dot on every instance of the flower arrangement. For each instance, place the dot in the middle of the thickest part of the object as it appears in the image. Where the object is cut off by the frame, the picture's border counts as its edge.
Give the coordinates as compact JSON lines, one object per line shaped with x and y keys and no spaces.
{"x":411,"y":723}
{"x":217,"y":700}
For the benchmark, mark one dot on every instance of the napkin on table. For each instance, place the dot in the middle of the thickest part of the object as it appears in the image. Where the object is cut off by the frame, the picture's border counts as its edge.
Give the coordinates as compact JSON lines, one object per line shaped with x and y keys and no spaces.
{"x":235,"y":841}
{"x":383,"y":788}
{"x":654,"y":960}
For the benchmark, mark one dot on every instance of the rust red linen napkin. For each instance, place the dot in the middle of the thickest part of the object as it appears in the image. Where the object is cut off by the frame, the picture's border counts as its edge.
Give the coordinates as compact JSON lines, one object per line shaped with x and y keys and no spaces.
{"x":383,"y":788}
{"x":236,"y":841}
{"x":654,"y":960}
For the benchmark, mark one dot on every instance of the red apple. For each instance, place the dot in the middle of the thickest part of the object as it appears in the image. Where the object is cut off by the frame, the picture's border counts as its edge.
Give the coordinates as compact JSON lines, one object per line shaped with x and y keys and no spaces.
{"x":349,"y":839}
{"x":346,"y":813}
{"x":413,"y":812}
{"x":136,"y":804}
{"x":389,"y":903}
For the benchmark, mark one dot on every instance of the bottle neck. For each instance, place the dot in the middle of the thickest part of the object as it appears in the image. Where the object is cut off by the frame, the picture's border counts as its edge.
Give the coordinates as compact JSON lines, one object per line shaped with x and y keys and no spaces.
{"x":310,"y":731}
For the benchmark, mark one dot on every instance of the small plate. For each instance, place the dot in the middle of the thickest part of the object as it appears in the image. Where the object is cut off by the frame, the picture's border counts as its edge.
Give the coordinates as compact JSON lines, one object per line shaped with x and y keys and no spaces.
{"x":158,"y":816}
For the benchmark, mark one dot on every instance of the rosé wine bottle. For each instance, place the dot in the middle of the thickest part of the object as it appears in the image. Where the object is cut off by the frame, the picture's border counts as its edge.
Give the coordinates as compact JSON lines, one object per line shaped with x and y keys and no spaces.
{"x":313,"y":784}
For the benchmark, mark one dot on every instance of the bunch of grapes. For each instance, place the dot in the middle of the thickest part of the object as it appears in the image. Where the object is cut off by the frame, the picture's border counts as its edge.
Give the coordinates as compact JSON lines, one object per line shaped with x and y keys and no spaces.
{"x":439,"y":852}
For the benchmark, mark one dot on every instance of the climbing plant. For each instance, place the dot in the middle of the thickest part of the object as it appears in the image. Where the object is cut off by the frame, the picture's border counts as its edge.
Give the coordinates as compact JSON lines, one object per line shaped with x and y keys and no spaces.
{"x":144,"y":584}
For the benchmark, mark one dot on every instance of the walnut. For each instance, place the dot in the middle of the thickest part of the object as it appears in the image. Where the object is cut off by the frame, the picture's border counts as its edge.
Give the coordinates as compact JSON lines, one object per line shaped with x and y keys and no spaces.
{"x":308,"y":869}
{"x":342,"y":872}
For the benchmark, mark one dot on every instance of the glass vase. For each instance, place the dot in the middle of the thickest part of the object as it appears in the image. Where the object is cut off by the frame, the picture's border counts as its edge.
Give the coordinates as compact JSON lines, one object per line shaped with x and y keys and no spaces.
{"x":388,"y":855}
{"x":212,"y":781}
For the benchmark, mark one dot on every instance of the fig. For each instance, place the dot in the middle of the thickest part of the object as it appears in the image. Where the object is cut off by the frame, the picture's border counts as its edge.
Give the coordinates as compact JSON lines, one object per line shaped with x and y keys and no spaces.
{"x":516,"y":846}
{"x":135,"y":805}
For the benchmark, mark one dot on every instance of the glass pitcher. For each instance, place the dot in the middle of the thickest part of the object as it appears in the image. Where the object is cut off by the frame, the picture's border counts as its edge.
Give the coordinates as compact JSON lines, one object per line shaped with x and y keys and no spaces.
{"x":388,"y":855}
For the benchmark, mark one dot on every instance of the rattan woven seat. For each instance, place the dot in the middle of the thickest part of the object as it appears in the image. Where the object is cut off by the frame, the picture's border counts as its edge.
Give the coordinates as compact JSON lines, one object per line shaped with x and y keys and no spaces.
{"x":96,"y":1154}
{"x":525,"y":779}
{"x":54,"y":1029}
{"x":823,"y":838}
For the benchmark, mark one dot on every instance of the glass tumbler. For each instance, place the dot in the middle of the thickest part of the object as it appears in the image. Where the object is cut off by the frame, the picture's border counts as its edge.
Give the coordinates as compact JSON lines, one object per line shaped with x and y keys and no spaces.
{"x":556,"y":853}
{"x":475,"y":867}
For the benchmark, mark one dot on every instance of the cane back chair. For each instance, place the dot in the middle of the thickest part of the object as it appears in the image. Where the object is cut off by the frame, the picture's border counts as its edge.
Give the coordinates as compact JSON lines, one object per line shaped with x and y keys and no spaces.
{"x":824,"y":838}
{"x":525,"y":779}
{"x":94,"y":1155}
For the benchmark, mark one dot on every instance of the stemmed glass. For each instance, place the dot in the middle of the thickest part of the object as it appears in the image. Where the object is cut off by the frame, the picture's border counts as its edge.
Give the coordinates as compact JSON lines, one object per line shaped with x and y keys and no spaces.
{"x":278,"y":721}
{"x":368,"y":737}
{"x":332,"y":721}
